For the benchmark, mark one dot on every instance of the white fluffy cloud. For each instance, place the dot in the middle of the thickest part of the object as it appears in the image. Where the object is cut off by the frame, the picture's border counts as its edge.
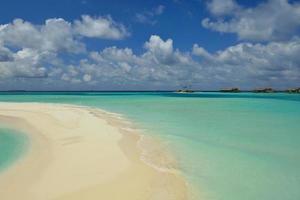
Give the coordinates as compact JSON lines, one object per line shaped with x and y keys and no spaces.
{"x":55,"y":35}
{"x":272,"y":20}
{"x":160,"y":64}
{"x":247,"y":65}
{"x":161,"y":51}
{"x":29,"y":50}
{"x":59,"y":35}
{"x":222,"y":7}
{"x":24,"y":63}
{"x":276,"y":63}
{"x":100,"y":27}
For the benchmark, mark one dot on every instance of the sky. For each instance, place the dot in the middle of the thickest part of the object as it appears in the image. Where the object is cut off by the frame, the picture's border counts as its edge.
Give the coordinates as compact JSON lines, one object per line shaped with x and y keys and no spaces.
{"x":149,"y":45}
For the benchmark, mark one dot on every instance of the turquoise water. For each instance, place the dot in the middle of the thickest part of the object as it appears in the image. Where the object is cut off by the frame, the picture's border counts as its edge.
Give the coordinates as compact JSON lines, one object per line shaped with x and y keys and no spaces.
{"x":230,"y":146}
{"x":12,"y":146}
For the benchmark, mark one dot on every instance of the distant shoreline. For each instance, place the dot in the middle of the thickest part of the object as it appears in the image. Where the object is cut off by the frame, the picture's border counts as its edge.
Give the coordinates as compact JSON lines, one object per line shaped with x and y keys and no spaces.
{"x":134,"y":91}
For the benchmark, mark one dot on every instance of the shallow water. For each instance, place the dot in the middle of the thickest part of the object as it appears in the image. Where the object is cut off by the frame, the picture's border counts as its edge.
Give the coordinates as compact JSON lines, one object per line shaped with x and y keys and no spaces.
{"x":230,"y":146}
{"x":12,"y":146}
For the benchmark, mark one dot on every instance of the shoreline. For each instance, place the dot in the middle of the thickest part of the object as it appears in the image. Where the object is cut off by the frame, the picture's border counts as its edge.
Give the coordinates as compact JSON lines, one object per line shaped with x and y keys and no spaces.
{"x":78,"y":152}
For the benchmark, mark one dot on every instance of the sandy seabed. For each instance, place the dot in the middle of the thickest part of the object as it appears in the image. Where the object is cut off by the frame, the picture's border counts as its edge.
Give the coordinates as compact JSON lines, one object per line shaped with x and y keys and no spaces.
{"x":81,"y":153}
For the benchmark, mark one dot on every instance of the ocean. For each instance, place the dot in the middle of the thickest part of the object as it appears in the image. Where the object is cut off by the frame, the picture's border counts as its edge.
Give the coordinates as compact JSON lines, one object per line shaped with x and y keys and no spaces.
{"x":242,"y":146}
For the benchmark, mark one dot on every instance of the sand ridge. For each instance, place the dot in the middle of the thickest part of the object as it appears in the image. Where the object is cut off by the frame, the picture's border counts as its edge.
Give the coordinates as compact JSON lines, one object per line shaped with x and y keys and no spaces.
{"x":81,"y":153}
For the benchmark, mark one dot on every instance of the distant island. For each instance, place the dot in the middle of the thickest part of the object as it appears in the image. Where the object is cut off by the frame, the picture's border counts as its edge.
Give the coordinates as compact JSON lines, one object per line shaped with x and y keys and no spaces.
{"x":232,"y":90}
{"x":185,"y":91}
{"x":264,"y":90}
{"x":293,"y":90}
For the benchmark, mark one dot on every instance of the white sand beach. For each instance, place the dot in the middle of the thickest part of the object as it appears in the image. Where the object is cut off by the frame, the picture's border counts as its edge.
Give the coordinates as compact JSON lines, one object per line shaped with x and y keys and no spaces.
{"x":78,"y":153}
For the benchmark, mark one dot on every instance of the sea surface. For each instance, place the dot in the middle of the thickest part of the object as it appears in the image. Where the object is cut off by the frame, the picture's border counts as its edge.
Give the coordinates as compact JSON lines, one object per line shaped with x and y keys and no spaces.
{"x":241,"y":146}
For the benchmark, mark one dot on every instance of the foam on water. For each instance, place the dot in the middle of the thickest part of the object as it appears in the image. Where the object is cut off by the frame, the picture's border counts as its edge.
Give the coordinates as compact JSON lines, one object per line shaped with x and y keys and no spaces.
{"x":156,"y":155}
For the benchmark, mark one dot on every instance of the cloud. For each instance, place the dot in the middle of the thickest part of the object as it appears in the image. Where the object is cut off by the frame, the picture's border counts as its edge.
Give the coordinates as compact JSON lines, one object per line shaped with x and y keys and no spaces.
{"x":222,"y":7}
{"x":100,"y":27}
{"x":273,"y":20}
{"x":200,"y":51}
{"x":5,"y":54}
{"x":148,"y":17}
{"x":31,"y":51}
{"x":53,"y":55}
{"x":55,"y":35}
{"x":159,"y":10}
{"x":59,"y":35}
{"x":87,"y":77}
{"x":161,"y":51}
{"x":160,"y":64}
{"x":275,"y":63}
{"x":245,"y":65}
{"x":25,"y":63}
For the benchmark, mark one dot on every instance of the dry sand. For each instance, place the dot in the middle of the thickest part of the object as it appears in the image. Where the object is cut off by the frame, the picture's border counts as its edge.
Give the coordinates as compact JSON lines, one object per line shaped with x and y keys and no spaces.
{"x":80,"y":153}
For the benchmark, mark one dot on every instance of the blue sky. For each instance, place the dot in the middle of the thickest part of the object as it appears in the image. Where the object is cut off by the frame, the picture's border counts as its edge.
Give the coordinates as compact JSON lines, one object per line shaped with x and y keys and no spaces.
{"x":180,"y":20}
{"x":122,"y":44}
